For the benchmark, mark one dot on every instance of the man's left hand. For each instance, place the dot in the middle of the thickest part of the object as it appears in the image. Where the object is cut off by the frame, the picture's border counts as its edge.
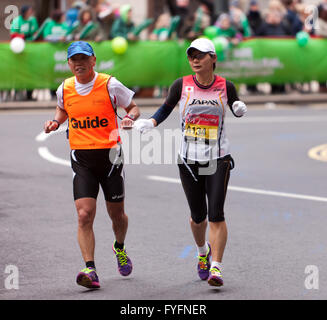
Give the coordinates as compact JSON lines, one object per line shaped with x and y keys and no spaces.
{"x":126,"y":123}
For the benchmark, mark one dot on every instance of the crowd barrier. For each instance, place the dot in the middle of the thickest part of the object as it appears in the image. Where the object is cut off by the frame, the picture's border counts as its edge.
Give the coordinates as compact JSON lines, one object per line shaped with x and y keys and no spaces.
{"x":154,"y":63}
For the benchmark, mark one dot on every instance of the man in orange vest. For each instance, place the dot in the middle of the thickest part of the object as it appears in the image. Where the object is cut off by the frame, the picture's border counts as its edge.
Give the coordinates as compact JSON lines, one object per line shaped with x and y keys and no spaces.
{"x":89,"y":101}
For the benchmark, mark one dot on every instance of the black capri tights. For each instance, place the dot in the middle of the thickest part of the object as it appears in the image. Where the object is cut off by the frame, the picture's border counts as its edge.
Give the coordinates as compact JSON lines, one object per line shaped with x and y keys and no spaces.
{"x":202,"y":182}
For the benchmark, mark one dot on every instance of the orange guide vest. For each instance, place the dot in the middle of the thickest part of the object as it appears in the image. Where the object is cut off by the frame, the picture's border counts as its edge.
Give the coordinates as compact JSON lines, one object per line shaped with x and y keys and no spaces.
{"x":92,"y":118}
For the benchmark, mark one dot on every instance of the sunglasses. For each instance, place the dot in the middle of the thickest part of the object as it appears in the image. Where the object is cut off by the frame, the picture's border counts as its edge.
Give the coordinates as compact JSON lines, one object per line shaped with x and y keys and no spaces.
{"x":198,"y":56}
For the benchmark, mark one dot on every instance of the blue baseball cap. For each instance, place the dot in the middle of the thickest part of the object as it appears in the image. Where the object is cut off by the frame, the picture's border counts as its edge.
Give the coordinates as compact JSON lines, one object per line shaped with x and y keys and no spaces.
{"x":80,"y":47}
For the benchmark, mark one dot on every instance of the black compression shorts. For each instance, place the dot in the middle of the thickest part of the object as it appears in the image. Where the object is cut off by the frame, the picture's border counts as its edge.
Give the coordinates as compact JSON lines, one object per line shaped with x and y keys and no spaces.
{"x":201,"y":181}
{"x":92,"y":168}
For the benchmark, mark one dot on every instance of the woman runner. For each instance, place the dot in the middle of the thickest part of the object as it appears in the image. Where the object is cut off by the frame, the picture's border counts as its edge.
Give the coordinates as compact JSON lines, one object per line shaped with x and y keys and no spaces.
{"x":204,"y":158}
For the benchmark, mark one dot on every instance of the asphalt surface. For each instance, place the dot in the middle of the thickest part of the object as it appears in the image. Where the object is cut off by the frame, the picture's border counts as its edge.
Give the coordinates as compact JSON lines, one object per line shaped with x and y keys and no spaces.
{"x":272,"y":238}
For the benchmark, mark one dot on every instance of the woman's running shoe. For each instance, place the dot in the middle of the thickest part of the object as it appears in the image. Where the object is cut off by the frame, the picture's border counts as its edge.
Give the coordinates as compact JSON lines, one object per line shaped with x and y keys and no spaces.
{"x":215,"y":278}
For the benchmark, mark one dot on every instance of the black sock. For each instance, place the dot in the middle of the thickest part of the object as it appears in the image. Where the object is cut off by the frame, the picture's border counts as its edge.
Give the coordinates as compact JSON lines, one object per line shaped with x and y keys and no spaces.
{"x":90,"y":264}
{"x":119,"y":245}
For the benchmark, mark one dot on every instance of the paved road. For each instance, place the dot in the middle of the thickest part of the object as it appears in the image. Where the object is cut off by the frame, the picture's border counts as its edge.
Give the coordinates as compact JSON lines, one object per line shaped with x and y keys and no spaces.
{"x":272,"y":236}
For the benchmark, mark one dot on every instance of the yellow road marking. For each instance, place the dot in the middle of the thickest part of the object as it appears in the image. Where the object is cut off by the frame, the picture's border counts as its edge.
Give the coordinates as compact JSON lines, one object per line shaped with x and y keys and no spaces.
{"x":318,"y":153}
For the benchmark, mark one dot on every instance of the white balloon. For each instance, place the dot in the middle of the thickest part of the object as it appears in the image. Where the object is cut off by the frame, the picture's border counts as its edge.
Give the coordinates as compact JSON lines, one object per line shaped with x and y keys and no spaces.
{"x":17,"y":45}
{"x":224,"y":42}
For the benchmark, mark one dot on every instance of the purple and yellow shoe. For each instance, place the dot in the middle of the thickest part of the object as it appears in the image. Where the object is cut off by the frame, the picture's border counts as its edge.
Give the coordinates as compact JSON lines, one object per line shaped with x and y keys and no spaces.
{"x":215,"y":278}
{"x":125,"y":265}
{"x":88,"y":278}
{"x":204,"y":265}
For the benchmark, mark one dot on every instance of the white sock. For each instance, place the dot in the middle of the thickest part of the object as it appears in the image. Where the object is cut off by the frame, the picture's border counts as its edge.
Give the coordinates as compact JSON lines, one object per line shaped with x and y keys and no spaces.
{"x":217,"y":264}
{"x":202,"y":251}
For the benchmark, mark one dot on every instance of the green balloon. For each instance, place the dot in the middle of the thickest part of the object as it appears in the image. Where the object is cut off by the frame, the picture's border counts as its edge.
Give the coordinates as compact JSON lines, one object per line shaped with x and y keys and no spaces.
{"x":221,"y":56}
{"x":210,"y":32}
{"x":119,"y":45}
{"x":302,"y":38}
{"x":220,"y":43}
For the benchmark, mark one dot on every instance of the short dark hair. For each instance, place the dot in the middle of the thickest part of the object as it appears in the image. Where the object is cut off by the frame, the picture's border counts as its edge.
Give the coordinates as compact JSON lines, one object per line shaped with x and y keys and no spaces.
{"x":24,"y":9}
{"x":56,"y":15}
{"x":214,"y":64}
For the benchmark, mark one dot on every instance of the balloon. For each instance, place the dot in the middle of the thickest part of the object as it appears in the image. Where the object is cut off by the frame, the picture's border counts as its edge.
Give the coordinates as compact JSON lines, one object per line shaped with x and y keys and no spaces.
{"x":119,"y":45}
{"x":221,"y":56}
{"x":221,"y":44}
{"x":17,"y":45}
{"x":210,"y":32}
{"x":302,"y":38}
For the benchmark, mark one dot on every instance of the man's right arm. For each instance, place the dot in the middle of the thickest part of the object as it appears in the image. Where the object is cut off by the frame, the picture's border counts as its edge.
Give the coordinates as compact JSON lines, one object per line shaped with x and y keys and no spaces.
{"x":60,"y":115}
{"x":59,"y":118}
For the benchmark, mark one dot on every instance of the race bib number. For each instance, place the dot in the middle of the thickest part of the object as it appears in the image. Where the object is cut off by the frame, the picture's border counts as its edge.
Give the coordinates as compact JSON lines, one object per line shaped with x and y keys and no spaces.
{"x":201,"y":126}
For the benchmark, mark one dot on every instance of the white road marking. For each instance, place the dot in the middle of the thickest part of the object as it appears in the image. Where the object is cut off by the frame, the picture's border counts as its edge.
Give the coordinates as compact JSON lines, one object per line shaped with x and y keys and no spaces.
{"x":42,"y":136}
{"x":44,"y":151}
{"x":47,"y":155}
{"x":250,"y":190}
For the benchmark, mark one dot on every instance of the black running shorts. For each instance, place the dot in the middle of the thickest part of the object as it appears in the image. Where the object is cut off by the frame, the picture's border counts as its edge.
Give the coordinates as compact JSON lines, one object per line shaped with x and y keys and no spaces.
{"x":92,"y":168}
{"x":201,"y":181}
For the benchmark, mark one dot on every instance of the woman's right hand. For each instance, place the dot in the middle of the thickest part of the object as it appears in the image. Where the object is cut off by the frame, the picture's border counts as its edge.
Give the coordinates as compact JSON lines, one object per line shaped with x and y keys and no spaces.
{"x":144,"y":125}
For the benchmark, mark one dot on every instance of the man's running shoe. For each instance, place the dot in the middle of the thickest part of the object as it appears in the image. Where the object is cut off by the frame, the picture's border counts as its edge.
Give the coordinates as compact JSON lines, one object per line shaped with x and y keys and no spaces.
{"x":215,"y":278}
{"x":88,"y":278}
{"x":125,"y":265}
{"x":204,"y":264}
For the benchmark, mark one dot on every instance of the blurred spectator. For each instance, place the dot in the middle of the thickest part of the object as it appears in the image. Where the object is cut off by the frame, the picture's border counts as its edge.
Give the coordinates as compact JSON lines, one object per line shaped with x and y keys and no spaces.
{"x":106,"y":13}
{"x":255,"y":21}
{"x":56,"y":29}
{"x":72,"y":13}
{"x":124,"y":26}
{"x":87,"y":28}
{"x":254,"y":17}
{"x":225,"y":29}
{"x":292,"y":17}
{"x":305,"y":15}
{"x":161,"y":28}
{"x":180,"y":8}
{"x":210,"y":9}
{"x":202,"y":19}
{"x":161,"y":32}
{"x":239,"y":20}
{"x":321,"y":27}
{"x":25,"y":25}
{"x":277,"y":5}
{"x":272,"y":24}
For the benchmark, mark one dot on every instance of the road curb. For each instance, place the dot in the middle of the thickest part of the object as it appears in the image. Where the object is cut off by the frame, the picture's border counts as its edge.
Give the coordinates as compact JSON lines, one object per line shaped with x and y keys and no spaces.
{"x":155,"y":102}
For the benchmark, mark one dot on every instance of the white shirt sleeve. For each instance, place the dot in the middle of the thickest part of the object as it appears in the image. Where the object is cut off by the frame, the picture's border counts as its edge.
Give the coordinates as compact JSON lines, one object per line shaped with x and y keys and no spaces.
{"x":60,"y":100}
{"x":120,"y":95}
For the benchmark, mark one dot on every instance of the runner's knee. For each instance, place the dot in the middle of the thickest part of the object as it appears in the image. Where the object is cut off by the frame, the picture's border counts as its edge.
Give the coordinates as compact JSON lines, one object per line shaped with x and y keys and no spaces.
{"x":85,"y":217}
{"x":116,"y":211}
{"x":198,"y":218}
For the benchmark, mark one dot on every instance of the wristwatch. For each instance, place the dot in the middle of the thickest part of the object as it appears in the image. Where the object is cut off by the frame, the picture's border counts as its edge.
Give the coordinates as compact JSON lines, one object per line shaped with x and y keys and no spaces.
{"x":54,"y":120}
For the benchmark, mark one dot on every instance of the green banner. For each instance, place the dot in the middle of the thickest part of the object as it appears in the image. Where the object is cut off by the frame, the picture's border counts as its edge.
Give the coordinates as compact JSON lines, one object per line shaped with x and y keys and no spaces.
{"x":150,"y":63}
